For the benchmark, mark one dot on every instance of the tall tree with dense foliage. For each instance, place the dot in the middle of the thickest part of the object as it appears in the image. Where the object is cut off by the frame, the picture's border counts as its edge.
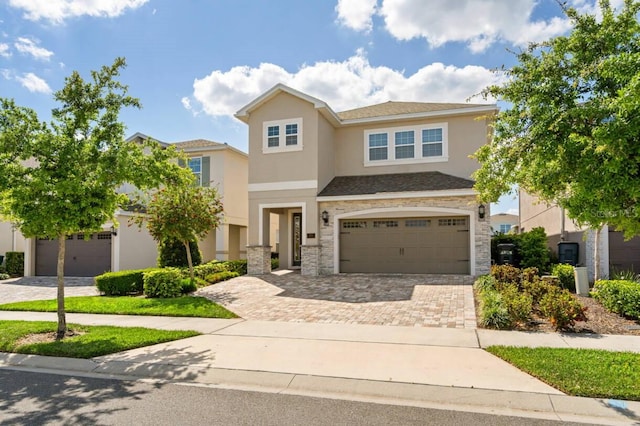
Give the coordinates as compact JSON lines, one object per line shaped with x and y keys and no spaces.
{"x":571,"y":132}
{"x":62,"y":177}
{"x":182,"y":212}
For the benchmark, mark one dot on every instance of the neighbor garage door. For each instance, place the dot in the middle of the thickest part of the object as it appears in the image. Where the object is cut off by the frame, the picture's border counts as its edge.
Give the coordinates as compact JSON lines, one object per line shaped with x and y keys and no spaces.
{"x":83,"y":258}
{"x":419,"y":245}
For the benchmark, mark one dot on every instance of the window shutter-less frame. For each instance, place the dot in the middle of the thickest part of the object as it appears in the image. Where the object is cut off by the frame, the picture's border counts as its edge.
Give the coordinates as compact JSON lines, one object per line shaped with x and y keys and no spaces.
{"x":181,"y":162}
{"x":206,"y":172}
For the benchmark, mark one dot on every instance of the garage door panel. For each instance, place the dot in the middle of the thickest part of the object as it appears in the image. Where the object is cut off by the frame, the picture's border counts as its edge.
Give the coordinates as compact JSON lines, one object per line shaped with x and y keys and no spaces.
{"x":83,"y":258}
{"x":438,"y":245}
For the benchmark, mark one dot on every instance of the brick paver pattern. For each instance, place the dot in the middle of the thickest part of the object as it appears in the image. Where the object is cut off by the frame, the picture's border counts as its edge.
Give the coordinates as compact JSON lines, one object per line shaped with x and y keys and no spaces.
{"x":43,"y":288}
{"x":404,"y":300}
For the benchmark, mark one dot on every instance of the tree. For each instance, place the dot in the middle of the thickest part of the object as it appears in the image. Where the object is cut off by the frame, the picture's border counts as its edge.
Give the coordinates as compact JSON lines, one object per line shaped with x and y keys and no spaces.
{"x":62,"y":177}
{"x":183,"y":212}
{"x":571,"y":133}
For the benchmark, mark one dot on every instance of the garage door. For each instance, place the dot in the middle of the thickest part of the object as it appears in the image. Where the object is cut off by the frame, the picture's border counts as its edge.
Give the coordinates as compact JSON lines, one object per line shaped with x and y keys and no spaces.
{"x":83,"y":258}
{"x":419,"y":245}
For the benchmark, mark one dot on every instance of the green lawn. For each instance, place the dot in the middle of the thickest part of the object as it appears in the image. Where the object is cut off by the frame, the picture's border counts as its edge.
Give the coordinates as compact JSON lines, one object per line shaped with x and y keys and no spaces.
{"x":95,"y":340}
{"x":185,"y":306}
{"x":579,"y":372}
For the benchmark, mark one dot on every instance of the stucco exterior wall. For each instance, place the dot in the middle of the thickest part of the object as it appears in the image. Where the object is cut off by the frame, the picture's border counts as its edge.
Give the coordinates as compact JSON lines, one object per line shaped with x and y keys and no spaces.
{"x":133,"y":247}
{"x":408,"y":207}
{"x":283,"y":166}
{"x":466,"y":135}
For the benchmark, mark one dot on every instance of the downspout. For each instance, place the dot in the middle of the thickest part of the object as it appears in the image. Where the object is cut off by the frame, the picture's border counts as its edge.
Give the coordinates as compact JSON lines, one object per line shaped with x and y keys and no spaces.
{"x":562,"y":224}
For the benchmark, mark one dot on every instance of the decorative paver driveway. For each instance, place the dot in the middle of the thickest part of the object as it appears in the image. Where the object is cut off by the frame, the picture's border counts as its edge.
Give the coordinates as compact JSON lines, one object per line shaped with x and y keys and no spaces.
{"x":42,"y":288}
{"x":407,"y":300}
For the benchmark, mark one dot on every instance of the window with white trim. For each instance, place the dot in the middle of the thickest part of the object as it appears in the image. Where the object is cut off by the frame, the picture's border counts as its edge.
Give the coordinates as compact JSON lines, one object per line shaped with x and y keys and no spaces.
{"x":195,"y":164}
{"x":282,"y":135}
{"x":407,"y":144}
{"x":504,"y":228}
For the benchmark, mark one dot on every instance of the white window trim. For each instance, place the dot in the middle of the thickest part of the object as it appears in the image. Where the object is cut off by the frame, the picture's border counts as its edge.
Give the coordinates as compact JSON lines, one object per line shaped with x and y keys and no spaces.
{"x":282,"y":146}
{"x":417,"y":144}
{"x":199,"y":176}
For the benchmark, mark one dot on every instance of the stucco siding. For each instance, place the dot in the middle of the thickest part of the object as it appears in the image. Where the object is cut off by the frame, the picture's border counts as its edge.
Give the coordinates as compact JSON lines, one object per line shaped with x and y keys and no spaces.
{"x":465,"y":135}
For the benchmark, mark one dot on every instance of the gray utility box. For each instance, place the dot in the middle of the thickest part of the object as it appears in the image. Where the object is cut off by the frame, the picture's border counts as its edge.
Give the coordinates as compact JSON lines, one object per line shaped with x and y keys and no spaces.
{"x":582,"y":280}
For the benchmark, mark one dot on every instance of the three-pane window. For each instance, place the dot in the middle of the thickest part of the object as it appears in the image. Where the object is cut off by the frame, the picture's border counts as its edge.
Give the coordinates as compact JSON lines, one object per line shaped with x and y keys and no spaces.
{"x":412,"y":144}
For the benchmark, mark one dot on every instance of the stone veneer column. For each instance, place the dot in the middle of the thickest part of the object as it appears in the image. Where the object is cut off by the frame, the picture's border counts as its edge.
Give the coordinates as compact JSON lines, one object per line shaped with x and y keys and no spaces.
{"x":258,"y":260}
{"x":310,"y":260}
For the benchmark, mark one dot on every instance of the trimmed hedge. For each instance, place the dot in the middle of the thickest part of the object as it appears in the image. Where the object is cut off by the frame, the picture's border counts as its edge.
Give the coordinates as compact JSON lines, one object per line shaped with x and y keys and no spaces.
{"x":14,"y":263}
{"x":163,"y":283}
{"x":239,"y":266}
{"x":220,"y":276}
{"x":619,"y":296}
{"x":121,"y":283}
{"x":201,"y":271}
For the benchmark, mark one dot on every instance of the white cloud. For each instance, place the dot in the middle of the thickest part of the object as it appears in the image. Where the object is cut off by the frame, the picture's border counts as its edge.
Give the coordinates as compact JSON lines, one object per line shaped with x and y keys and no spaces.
{"x":30,"y":47}
{"x":4,"y":50}
{"x":343,"y":85}
{"x":478,"y":24}
{"x":33,"y":83}
{"x":356,"y":14}
{"x":57,"y":11}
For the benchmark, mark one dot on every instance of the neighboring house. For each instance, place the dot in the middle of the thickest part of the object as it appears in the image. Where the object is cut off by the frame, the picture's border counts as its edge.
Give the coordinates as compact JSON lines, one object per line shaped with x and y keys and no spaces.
{"x":380,"y":189}
{"x":615,"y":253}
{"x":503,"y":222}
{"x":126,"y":246}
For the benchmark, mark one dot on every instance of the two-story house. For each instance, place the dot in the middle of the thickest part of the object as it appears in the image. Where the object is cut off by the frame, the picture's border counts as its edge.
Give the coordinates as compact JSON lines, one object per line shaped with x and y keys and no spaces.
{"x":124,"y":246}
{"x":381,"y":189}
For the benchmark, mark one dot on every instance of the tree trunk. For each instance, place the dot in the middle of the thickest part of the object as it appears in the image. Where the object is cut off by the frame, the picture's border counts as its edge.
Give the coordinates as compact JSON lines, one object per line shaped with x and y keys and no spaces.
{"x":189,"y":262}
{"x":596,"y":256}
{"x":62,"y":320}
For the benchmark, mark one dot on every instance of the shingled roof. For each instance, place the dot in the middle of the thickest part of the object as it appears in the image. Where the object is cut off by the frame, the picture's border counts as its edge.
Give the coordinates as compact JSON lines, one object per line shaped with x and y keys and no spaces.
{"x":197,"y":143}
{"x":396,"y":182}
{"x":400,"y":108}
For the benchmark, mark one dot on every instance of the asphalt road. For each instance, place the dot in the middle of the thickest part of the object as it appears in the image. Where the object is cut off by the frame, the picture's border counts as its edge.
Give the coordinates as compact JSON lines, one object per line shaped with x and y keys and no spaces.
{"x":28,"y":398}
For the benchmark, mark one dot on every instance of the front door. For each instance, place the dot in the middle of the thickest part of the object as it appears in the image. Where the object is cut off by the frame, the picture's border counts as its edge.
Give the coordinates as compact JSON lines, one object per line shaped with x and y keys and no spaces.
{"x":296,"y":244}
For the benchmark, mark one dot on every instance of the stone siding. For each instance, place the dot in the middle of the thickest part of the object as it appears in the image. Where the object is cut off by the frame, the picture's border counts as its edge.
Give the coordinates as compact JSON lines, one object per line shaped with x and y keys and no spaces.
{"x":258,"y":260}
{"x":464,"y":203}
{"x":310,"y":260}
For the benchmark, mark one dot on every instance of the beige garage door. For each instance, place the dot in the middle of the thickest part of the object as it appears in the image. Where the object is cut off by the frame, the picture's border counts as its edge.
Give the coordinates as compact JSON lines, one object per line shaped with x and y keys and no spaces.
{"x":83,"y":258}
{"x":419,"y":245}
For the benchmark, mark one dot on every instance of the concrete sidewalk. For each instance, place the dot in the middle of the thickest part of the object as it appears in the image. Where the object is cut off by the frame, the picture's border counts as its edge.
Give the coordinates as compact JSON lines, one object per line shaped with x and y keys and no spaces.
{"x":434,"y":367}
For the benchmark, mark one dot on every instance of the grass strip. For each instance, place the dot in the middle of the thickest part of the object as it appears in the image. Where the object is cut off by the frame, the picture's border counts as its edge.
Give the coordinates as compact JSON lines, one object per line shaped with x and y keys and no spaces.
{"x":579,"y":372}
{"x":185,"y":306}
{"x":90,"y":341}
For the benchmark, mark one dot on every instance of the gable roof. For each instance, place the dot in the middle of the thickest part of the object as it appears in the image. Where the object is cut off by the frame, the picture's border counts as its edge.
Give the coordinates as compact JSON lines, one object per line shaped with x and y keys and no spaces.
{"x":386,"y":111}
{"x":395,"y":182}
{"x":197,"y":143}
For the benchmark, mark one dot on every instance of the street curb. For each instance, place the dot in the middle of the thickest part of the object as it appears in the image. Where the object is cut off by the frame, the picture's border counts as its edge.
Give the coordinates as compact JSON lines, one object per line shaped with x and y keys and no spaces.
{"x":497,"y":402}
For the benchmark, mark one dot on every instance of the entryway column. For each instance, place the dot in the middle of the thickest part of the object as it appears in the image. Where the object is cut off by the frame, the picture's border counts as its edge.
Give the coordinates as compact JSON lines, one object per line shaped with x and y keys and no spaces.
{"x":258,"y":260}
{"x":310,"y":260}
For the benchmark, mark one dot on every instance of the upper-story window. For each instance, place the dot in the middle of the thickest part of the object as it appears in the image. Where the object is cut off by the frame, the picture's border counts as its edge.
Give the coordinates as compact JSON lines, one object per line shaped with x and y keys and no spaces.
{"x":504,"y":228}
{"x":195,"y":164}
{"x":282,"y":135}
{"x":408,"y":144}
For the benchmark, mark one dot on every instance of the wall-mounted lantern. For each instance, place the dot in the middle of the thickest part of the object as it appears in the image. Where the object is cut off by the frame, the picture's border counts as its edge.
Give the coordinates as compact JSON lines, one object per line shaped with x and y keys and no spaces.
{"x":481,"y":211}
{"x":325,"y":217}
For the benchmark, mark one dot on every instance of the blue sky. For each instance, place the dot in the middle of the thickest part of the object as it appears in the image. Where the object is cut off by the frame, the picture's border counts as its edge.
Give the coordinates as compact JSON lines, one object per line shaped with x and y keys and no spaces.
{"x":194,"y":63}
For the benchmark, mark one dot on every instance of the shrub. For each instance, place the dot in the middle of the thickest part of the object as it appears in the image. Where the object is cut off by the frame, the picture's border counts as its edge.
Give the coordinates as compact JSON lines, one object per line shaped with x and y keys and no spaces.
{"x":220,"y":276}
{"x":172,"y":253}
{"x":4,"y":276}
{"x":187,"y":286}
{"x":625,"y":275}
{"x":275,"y":263}
{"x":537,"y":289}
{"x":164,"y":283}
{"x":201,"y":271}
{"x":533,"y":250}
{"x":239,"y":266}
{"x":565,"y":274}
{"x":506,"y":274}
{"x":493,"y":311}
{"x":619,"y":296}
{"x":518,"y":304}
{"x":485,"y":283}
{"x":528,"y":274}
{"x":14,"y":262}
{"x":121,"y":283}
{"x":562,"y":309}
